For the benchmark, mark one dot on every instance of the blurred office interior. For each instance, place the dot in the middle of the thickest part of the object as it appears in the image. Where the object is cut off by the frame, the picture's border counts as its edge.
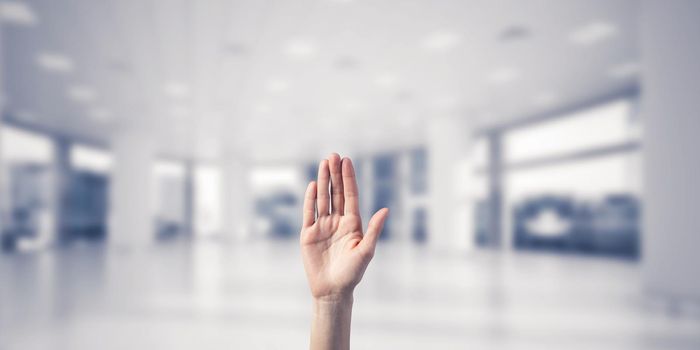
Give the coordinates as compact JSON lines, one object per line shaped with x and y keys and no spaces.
{"x":538,"y":159}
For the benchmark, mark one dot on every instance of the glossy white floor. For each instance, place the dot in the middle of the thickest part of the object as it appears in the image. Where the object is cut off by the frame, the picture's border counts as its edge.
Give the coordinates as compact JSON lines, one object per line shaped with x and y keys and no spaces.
{"x":216,"y":296}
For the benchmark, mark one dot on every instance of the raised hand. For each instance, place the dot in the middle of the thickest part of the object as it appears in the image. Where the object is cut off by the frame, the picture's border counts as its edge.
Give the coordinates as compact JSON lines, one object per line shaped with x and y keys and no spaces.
{"x":334,"y":248}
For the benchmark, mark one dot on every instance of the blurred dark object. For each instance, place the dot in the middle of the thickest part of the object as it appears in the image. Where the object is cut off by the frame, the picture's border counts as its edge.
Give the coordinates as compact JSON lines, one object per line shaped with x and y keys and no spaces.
{"x":85,"y":207}
{"x":385,"y":189}
{"x":24,"y":226}
{"x":419,"y":171}
{"x":559,"y":223}
{"x":279,"y":211}
{"x":420,"y":225}
{"x":29,"y":200}
{"x":482,"y":218}
{"x":168,"y":230}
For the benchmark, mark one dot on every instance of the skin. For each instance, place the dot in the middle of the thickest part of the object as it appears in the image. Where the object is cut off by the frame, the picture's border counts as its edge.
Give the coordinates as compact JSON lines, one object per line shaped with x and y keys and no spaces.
{"x":334,"y":249}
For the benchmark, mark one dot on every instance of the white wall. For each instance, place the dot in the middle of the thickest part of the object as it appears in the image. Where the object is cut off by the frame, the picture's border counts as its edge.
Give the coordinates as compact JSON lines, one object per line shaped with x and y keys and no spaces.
{"x":671,"y":112}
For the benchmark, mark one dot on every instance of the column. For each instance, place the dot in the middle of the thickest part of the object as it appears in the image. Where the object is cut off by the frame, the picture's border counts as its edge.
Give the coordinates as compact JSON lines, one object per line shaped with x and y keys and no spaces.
{"x":62,"y":174}
{"x":671,"y":113}
{"x":2,"y":116}
{"x":450,"y":214}
{"x":237,"y":200}
{"x":131,"y":221}
{"x":496,"y":206}
{"x":189,"y":193}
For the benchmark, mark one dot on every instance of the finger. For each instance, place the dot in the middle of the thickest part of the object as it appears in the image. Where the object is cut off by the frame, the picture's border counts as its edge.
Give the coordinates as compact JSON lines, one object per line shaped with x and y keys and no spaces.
{"x":374,"y":229}
{"x":352,"y":199}
{"x":309,"y":205}
{"x":337,"y":200}
{"x":322,"y":196}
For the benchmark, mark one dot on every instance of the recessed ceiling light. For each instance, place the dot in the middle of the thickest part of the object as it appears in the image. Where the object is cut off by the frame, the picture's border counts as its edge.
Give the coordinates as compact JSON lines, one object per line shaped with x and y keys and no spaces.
{"x":277,"y":85}
{"x":514,"y":33}
{"x":15,"y":12}
{"x":346,"y":63}
{"x":593,"y":33}
{"x":351,"y":105}
{"x":262,"y":108}
{"x":386,"y":80}
{"x":177,"y":89}
{"x":24,"y":115}
{"x":504,"y":75}
{"x":545,"y":99}
{"x":120,"y":66}
{"x":100,"y":114}
{"x":300,"y":48}
{"x":81,"y":93}
{"x":54,"y":62}
{"x":236,"y":49}
{"x":445,"y":102}
{"x":179,"y":111}
{"x":441,"y":41}
{"x":625,"y":70}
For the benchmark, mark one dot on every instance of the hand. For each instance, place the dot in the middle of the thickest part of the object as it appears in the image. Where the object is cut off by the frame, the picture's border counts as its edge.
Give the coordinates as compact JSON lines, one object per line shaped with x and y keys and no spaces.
{"x":334,"y":249}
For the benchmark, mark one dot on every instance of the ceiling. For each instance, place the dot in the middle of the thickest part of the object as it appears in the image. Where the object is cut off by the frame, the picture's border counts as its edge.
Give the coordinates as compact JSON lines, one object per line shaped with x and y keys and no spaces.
{"x":284,"y":79}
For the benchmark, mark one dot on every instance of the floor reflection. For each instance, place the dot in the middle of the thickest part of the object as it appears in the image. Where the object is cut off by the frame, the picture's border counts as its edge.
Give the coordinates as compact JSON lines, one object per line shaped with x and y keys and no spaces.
{"x":210,"y":295}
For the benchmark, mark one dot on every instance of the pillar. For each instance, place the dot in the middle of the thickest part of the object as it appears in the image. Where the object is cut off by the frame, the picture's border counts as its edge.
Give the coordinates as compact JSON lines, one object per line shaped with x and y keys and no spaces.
{"x":450,"y":214}
{"x":131,"y":221}
{"x":2,"y":116}
{"x":237,"y":200}
{"x":62,"y":174}
{"x":671,"y":112}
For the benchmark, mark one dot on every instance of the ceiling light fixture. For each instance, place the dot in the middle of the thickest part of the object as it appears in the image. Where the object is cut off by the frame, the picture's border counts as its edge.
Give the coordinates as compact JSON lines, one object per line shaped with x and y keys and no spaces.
{"x":81,"y":93}
{"x":277,"y":85}
{"x":386,"y":80}
{"x":179,"y":111}
{"x":176,"y":89}
{"x":300,"y":49}
{"x":24,"y":115}
{"x":54,"y":62}
{"x":625,"y":70}
{"x":545,"y":99}
{"x":514,"y":33}
{"x":18,"y":13}
{"x":593,"y":33}
{"x":262,"y":108}
{"x":441,"y":41}
{"x":503,"y":76}
{"x":100,"y":114}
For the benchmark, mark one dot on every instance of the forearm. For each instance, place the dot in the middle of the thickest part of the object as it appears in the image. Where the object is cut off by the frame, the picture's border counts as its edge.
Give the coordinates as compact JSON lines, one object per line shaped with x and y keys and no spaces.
{"x":330,"y":327}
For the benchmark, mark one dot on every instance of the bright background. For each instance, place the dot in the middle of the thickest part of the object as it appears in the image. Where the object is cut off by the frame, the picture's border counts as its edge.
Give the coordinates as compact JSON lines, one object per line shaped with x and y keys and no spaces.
{"x":536,"y":157}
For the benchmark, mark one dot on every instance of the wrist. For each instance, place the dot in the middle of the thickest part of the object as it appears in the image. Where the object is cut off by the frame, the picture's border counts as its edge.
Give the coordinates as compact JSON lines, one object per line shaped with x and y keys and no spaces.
{"x":345,"y":299}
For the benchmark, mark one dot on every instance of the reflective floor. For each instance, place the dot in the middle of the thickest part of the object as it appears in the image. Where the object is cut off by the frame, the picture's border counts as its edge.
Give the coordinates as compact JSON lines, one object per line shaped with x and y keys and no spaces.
{"x":210,"y":295}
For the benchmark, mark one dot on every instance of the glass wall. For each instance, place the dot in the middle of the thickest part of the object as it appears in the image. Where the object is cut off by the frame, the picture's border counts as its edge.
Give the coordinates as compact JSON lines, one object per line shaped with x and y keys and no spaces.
{"x":171,"y":209}
{"x":28,"y":189}
{"x":275,"y":191}
{"x":84,"y":201}
{"x":573,"y":183}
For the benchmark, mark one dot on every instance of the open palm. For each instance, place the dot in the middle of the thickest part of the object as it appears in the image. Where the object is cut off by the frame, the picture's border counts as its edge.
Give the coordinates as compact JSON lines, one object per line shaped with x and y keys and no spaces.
{"x":334,"y":249}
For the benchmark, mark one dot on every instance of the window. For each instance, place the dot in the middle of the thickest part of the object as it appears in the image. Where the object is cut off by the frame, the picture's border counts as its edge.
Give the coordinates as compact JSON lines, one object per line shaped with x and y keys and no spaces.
{"x":27,"y":188}
{"x":170,"y":198}
{"x":90,"y":159}
{"x":606,"y":125}
{"x":574,"y":182}
{"x":207,"y":203}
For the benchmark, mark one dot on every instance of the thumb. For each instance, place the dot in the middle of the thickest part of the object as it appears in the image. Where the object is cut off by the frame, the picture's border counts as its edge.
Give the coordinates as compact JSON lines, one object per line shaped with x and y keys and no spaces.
{"x":374,"y":229}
